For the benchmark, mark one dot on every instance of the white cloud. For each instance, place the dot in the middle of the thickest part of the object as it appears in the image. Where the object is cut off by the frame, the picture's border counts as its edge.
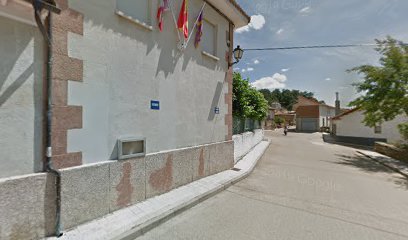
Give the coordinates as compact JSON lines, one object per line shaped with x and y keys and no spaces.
{"x":285,"y":69}
{"x":305,"y":10}
{"x":243,"y":70}
{"x":250,"y":69}
{"x":257,"y":23}
{"x":280,"y":31}
{"x":276,"y":81}
{"x":236,"y":69}
{"x":256,"y":61}
{"x":328,"y":79}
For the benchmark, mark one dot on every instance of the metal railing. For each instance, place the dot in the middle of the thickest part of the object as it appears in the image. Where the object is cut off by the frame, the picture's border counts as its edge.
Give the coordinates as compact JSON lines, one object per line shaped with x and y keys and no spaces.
{"x":241,"y":125}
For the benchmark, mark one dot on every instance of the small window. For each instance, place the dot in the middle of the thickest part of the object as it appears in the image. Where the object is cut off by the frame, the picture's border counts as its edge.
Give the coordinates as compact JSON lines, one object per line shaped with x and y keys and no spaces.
{"x":209,"y":38}
{"x":377,"y":129}
{"x":137,"y":10}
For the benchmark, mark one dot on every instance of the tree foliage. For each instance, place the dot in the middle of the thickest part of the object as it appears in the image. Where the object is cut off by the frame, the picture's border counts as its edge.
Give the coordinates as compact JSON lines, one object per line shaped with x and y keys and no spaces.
{"x":279,"y":120}
{"x":385,"y":87}
{"x":247,"y":102}
{"x":287,"y":98}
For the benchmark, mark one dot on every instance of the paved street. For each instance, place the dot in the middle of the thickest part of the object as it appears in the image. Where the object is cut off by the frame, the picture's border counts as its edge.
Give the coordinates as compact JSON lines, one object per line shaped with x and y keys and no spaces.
{"x":301,"y":189}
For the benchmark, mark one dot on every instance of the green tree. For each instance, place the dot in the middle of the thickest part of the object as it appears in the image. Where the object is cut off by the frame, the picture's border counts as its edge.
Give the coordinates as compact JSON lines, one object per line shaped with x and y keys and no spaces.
{"x":287,"y":98}
{"x":279,"y":120}
{"x":385,"y":87}
{"x":247,"y":102}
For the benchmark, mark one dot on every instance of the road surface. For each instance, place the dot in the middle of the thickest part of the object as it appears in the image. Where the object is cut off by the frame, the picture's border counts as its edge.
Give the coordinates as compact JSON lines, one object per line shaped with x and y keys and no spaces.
{"x":302,"y":188}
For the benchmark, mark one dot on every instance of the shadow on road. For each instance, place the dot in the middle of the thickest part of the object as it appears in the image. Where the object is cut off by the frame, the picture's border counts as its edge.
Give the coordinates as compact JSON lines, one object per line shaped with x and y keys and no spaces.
{"x":370,"y":166}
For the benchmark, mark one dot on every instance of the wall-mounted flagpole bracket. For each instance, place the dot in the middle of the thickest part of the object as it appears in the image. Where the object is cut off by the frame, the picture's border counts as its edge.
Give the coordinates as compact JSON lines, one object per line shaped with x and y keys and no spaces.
{"x":39,"y":6}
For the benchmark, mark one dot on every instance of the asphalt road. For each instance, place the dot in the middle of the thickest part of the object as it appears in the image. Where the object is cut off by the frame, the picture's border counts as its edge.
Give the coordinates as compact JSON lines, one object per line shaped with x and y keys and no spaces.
{"x":302,"y":188}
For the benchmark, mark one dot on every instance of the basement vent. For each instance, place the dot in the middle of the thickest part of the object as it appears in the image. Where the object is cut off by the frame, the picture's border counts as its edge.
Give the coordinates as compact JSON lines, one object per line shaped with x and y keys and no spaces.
{"x":131,"y":148}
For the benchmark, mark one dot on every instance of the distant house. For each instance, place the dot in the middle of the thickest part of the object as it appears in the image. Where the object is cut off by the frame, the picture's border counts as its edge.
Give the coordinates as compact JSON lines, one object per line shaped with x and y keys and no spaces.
{"x":288,"y":116}
{"x":348,"y":127}
{"x":311,"y":115}
{"x":304,"y":101}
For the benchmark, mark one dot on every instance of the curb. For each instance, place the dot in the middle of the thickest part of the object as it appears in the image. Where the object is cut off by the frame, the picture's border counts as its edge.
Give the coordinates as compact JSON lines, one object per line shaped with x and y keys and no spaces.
{"x":384,"y":164}
{"x":134,"y":221}
{"x":151,"y":224}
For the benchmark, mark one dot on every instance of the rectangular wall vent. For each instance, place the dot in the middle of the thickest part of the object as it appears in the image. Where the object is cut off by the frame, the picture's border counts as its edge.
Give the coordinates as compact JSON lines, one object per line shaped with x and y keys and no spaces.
{"x":131,"y":148}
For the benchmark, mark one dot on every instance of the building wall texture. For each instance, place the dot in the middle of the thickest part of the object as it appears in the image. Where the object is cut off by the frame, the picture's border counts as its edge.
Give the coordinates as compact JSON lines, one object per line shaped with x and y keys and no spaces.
{"x":126,"y":66}
{"x":21,"y":98}
{"x":106,"y":70}
{"x":326,"y":112}
{"x":351,"y":126}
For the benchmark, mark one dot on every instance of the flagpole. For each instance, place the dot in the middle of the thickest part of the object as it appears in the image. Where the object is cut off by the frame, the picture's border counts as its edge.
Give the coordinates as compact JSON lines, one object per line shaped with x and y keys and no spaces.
{"x":174,"y":18}
{"x":195,"y":24}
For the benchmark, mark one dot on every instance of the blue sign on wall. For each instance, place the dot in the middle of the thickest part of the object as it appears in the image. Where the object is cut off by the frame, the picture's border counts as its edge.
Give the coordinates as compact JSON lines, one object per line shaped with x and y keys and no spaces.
{"x":155,"y":105}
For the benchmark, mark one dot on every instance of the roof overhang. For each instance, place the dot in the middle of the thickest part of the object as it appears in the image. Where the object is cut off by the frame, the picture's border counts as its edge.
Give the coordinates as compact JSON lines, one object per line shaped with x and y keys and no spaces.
{"x":232,"y":11}
{"x":17,"y":10}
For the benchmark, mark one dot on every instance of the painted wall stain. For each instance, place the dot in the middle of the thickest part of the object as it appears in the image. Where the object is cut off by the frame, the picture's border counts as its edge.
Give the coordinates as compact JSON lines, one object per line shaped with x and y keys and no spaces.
{"x":201,"y":165}
{"x":125,"y":188}
{"x":162,"y":179}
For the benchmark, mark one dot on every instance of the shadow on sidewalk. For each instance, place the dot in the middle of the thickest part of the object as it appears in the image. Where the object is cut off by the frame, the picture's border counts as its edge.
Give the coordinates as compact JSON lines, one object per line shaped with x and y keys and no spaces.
{"x":370,"y":166}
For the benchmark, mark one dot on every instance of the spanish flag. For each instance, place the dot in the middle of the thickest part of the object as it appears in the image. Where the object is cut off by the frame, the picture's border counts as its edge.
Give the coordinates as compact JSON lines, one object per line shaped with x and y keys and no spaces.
{"x":163,"y":7}
{"x":182,"y":22}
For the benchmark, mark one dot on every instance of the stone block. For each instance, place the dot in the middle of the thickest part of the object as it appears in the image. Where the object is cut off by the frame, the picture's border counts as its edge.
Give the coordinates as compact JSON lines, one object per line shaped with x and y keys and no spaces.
{"x":66,"y":68}
{"x":201,"y":163}
{"x":159,"y":173}
{"x":67,"y":160}
{"x":221,"y":157}
{"x":127,"y":183}
{"x":68,"y":117}
{"x":84,"y":194}
{"x":27,"y":206}
{"x":183,"y":166}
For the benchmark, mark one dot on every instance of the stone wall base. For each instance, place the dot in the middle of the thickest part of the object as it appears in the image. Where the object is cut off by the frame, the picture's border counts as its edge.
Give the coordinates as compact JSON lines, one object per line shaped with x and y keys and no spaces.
{"x":27,"y":206}
{"x":27,"y":203}
{"x":391,"y":151}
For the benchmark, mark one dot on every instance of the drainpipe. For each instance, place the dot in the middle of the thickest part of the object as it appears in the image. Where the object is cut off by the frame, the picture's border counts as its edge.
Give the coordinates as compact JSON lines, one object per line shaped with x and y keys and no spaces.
{"x":48,"y":164}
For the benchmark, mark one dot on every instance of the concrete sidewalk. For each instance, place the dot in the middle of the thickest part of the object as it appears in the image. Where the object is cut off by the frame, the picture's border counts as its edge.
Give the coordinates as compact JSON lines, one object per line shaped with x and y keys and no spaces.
{"x":394,"y":164}
{"x":135,"y":220}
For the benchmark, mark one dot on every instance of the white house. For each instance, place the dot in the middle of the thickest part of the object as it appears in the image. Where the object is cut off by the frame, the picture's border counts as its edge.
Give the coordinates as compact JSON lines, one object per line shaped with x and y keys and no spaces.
{"x":134,"y":111}
{"x":349,"y":127}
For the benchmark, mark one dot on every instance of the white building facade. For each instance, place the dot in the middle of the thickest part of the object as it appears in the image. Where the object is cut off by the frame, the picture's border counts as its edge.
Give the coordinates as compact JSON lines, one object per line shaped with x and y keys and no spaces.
{"x":349,"y":127}
{"x":134,"y":114}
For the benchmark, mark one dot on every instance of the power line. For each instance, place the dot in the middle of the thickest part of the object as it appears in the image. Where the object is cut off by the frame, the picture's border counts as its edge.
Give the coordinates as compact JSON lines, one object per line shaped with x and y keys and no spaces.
{"x":311,"y":47}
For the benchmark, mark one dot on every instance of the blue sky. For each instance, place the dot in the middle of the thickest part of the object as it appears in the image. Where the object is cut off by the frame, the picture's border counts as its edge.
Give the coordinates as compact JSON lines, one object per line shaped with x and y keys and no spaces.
{"x":283,"y":23}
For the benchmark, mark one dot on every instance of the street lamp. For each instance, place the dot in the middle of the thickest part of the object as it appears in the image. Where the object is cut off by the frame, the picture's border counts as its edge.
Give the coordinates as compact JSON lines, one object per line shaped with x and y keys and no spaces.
{"x":238,"y":53}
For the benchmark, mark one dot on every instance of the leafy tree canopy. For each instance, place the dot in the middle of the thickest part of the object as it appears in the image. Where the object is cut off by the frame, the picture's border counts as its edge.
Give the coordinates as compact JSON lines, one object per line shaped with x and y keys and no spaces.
{"x":247,"y":102}
{"x":287,"y":98}
{"x":385,"y":87}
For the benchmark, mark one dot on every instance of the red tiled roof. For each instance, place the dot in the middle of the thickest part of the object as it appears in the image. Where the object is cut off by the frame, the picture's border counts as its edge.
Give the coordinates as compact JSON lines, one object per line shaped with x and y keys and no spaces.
{"x":338,"y":117}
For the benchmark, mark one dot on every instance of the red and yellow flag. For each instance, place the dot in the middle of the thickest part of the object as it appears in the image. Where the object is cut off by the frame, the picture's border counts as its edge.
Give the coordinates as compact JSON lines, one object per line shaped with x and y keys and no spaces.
{"x":182,"y":22}
{"x":163,"y":7}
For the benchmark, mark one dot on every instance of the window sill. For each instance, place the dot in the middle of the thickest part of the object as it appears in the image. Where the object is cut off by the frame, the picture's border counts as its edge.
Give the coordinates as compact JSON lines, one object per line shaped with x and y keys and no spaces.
{"x":210,"y":56}
{"x":140,"y":23}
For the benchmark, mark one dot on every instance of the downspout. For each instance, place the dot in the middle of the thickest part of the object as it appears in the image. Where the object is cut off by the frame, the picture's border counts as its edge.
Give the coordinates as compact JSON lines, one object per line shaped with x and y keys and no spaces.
{"x":48,"y":164}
